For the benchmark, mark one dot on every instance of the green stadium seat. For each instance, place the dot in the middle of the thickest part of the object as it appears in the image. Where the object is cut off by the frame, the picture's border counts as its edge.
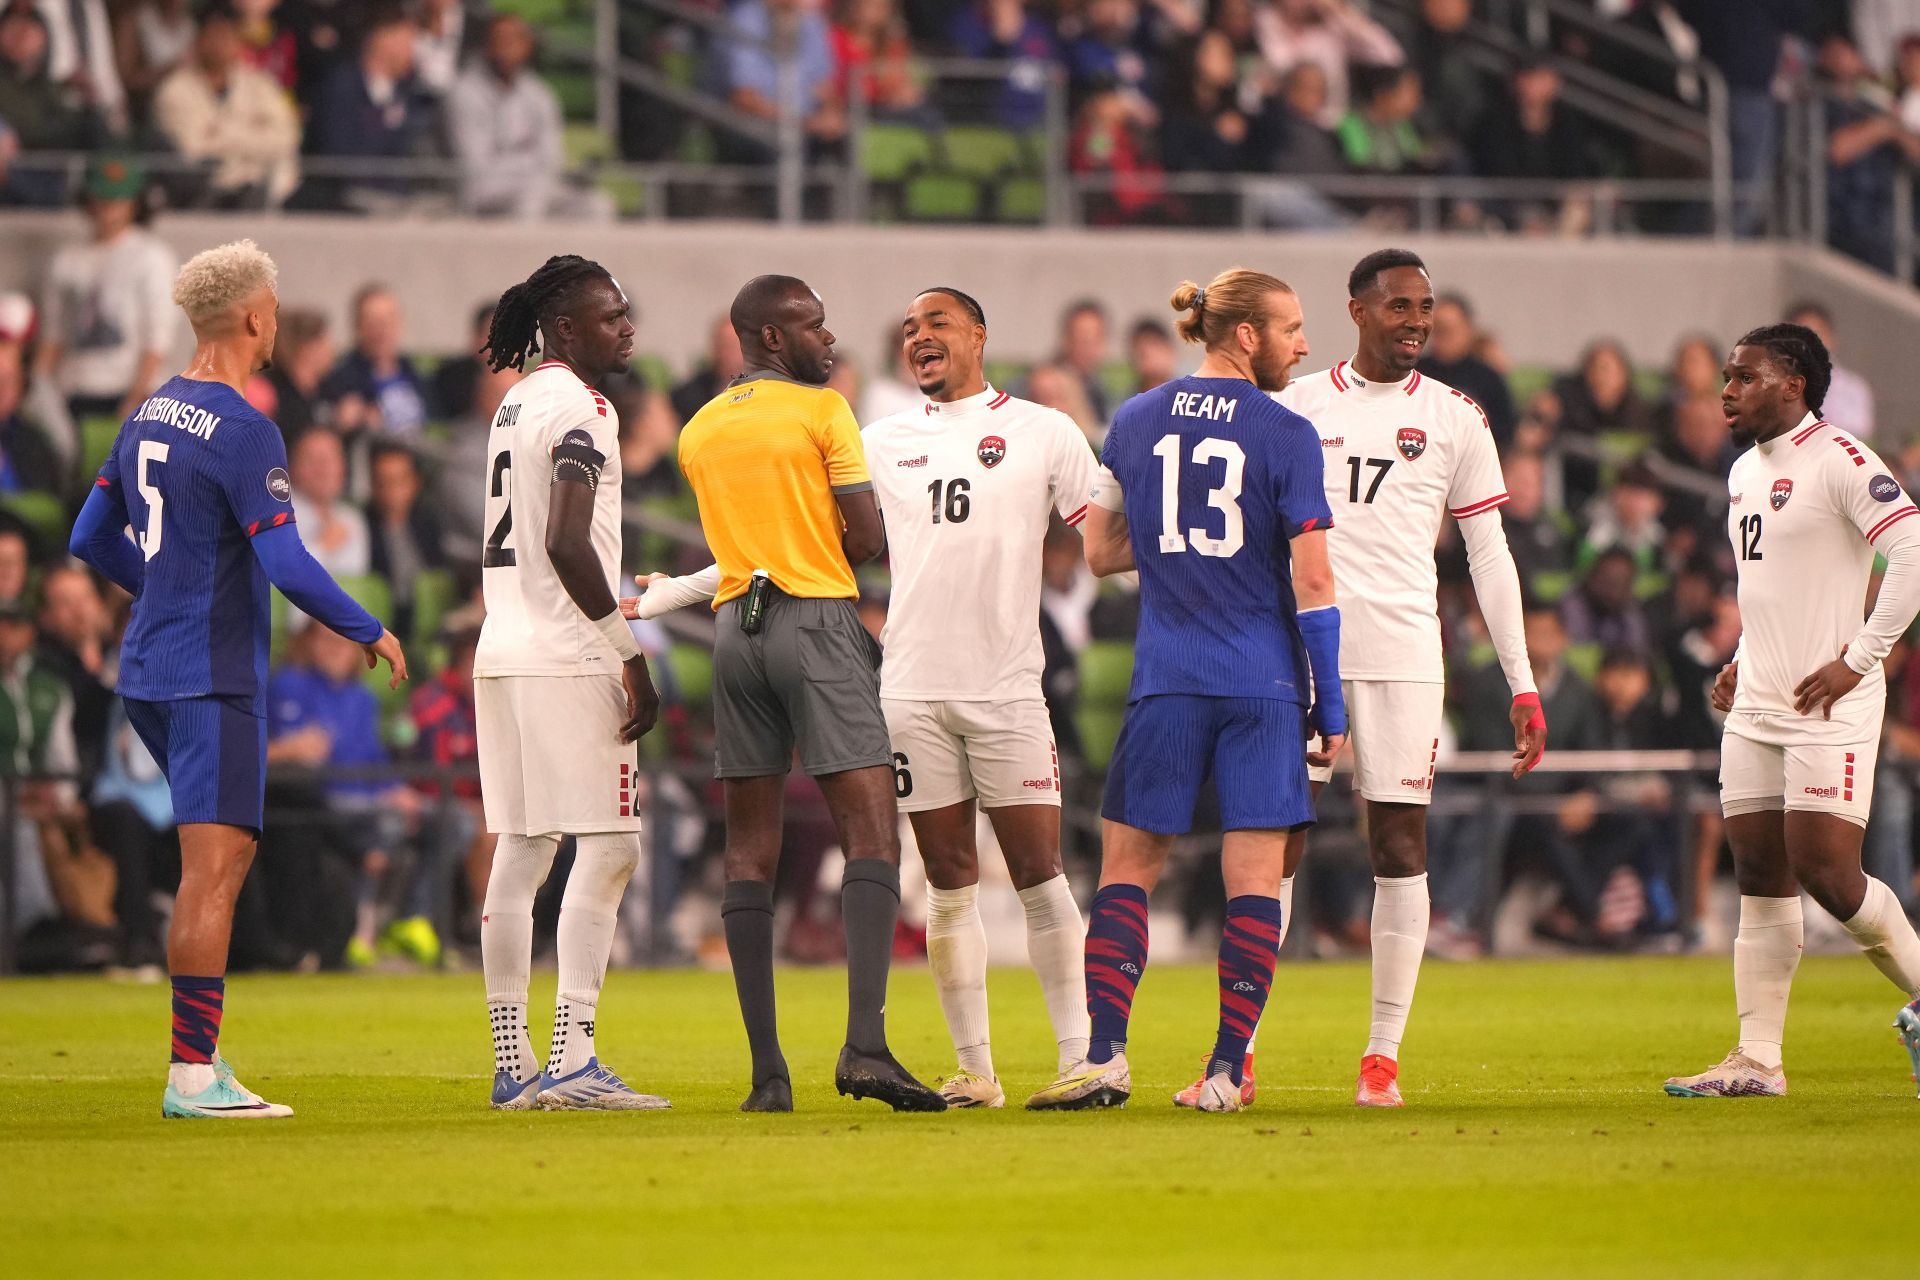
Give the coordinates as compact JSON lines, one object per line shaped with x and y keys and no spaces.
{"x":692,"y":668}
{"x":432,"y":599}
{"x":1006,"y":374}
{"x":1526,"y":380}
{"x":942,"y":197}
{"x":1551,"y":586}
{"x":1106,"y":674}
{"x":655,"y":371}
{"x":979,"y":151}
{"x":1584,"y":660}
{"x":894,"y":152}
{"x":373,"y":593}
{"x":539,"y":13}
{"x":43,"y":513}
{"x":96,"y":442}
{"x":585,"y":144}
{"x":576,"y":91}
{"x":1021,"y":200}
{"x":628,"y":193}
{"x":1118,"y":381}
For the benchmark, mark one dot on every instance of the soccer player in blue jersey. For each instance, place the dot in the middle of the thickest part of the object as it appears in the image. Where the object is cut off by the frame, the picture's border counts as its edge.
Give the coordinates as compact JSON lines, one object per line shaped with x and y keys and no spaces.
{"x":192,"y":513}
{"x":1213,"y":491}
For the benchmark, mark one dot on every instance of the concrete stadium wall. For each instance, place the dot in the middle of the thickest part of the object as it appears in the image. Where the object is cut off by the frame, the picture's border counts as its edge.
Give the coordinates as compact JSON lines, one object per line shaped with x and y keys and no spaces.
{"x":1545,"y":298}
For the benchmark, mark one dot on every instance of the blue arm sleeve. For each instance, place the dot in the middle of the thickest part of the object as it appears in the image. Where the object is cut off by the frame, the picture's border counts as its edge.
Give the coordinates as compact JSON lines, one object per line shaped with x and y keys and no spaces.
{"x":301,"y":579}
{"x":1320,"y":630}
{"x":100,"y":538}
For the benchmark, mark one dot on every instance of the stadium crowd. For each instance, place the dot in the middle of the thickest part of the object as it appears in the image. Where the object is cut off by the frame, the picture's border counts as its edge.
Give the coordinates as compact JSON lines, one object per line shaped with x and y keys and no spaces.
{"x":323,"y":104}
{"x":373,"y":842}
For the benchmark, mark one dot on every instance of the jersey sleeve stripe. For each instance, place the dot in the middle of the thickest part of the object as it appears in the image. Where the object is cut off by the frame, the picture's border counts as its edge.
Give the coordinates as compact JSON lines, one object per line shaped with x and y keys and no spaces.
{"x":1079,"y":515}
{"x":1498,"y":500}
{"x":1892,"y":520}
{"x":1809,"y":433}
{"x":284,"y":517}
{"x":101,"y":482}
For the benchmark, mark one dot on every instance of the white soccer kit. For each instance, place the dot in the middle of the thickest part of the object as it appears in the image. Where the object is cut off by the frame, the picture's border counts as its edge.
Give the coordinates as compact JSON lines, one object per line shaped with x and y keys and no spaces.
{"x":966,"y":490}
{"x":548,"y":697}
{"x":1400,"y":457}
{"x":1807,"y":512}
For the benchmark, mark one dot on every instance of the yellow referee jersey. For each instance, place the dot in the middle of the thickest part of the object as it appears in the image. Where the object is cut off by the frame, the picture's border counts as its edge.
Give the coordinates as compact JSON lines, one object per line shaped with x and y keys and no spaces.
{"x":765,"y":458}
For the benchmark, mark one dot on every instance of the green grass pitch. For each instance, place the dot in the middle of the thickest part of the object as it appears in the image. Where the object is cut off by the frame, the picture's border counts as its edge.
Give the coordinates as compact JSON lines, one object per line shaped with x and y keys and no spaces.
{"x":1536,"y":1141}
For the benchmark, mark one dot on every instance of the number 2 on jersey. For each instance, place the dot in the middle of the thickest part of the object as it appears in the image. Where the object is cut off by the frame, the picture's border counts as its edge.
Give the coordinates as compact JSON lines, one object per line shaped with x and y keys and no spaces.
{"x":498,"y":555}
{"x":1224,"y":497}
{"x":152,"y":451}
{"x":1750,"y":537}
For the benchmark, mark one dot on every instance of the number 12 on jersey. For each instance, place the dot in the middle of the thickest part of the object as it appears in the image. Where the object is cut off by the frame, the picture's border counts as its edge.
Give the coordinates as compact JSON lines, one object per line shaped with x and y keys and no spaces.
{"x":1750,"y":537}
{"x":1223,"y":497}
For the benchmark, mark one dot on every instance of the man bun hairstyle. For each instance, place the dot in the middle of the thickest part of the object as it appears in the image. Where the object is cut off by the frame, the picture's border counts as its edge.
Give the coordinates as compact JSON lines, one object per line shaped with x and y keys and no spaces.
{"x":550,"y":291}
{"x":1235,"y":297}
{"x":1799,"y":351}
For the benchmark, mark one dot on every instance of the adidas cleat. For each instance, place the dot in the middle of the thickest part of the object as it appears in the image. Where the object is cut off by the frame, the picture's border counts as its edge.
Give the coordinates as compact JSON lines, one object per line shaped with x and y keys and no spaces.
{"x":1907,"y":1023}
{"x":967,"y":1089}
{"x":1190,"y":1096}
{"x":1734,"y":1076}
{"x":1379,"y":1083}
{"x":881,"y":1077}
{"x":208,"y":1091}
{"x":511,"y":1095}
{"x":594,"y":1088}
{"x":1087,"y":1085}
{"x":1218,"y":1093}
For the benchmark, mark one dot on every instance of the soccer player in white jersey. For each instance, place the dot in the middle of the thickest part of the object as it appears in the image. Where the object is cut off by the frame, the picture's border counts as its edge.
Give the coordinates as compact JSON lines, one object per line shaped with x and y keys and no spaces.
{"x":561,"y":691}
{"x":967,"y":481}
{"x":1402,"y":453}
{"x":1805,"y":693}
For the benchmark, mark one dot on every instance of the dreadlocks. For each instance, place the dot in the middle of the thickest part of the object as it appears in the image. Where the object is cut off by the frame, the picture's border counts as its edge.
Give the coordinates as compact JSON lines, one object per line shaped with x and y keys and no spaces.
{"x":1799,"y":351}
{"x":530,"y":306}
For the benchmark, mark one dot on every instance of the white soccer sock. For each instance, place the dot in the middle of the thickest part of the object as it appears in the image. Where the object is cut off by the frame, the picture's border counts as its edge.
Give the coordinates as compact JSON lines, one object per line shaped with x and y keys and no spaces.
{"x":1286,"y":923}
{"x":1886,"y":935}
{"x":1400,"y":912}
{"x":1766,"y":952}
{"x":602,"y":865}
{"x":520,"y":864}
{"x":1056,"y":947}
{"x":957,"y":954}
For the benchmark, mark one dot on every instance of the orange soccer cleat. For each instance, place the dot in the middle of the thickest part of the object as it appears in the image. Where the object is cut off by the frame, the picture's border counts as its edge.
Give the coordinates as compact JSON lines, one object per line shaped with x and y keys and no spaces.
{"x":1190,"y":1096}
{"x":1379,"y":1084}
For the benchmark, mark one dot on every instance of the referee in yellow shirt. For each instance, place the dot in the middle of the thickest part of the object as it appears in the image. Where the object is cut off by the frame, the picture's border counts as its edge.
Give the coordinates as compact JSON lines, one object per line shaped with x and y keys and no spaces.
{"x":776,"y":464}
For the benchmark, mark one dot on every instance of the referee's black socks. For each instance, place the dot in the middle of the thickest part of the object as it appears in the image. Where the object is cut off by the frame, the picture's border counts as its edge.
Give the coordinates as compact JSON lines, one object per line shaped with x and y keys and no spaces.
{"x":746,"y":913}
{"x":869,"y":908}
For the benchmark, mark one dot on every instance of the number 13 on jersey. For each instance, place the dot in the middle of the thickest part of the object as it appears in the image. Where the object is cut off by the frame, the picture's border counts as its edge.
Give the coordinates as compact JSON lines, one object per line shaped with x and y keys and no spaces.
{"x":1223,"y":497}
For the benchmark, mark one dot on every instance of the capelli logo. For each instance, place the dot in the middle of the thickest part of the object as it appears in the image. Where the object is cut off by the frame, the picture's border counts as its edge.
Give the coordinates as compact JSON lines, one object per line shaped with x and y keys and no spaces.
{"x":1039,"y":784}
{"x":920,"y":461}
{"x":1824,"y":793}
{"x":1333,"y":442}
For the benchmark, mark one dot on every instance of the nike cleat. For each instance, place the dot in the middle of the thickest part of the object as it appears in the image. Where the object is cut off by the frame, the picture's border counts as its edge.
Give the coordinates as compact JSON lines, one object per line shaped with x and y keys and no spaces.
{"x":1379,"y":1083}
{"x":1907,"y":1023}
{"x":881,"y":1077}
{"x":968,"y":1089}
{"x":1735,"y":1076}
{"x":773,"y":1094}
{"x":208,"y":1091}
{"x":594,"y":1088}
{"x":1087,"y":1085}
{"x":1190,"y":1096}
{"x":1218,"y":1093}
{"x":511,"y":1095}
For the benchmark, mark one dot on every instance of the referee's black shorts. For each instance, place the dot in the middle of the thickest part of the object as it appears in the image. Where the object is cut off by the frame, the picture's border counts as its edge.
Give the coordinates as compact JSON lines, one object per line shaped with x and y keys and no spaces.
{"x":809,"y":679}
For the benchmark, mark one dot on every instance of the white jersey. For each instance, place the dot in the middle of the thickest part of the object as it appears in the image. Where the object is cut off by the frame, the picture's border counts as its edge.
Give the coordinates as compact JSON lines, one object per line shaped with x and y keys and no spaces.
{"x":966,"y":489}
{"x":1400,"y":457}
{"x":1806,"y":509}
{"x":533,"y":627}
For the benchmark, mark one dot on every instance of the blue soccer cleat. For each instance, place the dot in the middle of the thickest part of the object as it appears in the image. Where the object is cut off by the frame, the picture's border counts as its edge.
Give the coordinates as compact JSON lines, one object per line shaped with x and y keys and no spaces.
{"x":208,"y":1091}
{"x":510,"y":1095}
{"x":594,"y":1088}
{"x":1907,"y":1023}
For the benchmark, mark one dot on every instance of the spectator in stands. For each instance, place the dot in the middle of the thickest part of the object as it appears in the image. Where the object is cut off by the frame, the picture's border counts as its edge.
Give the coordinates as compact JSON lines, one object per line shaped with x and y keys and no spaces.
{"x":1867,"y":146}
{"x":80,"y":55}
{"x":216,"y":109}
{"x":450,"y":395}
{"x":265,"y":44}
{"x":758,"y":28}
{"x":75,"y":630}
{"x":1455,"y":88}
{"x":1693,"y":373}
{"x":1152,"y":355}
{"x":16,"y":565}
{"x":302,"y":358}
{"x":722,"y":366}
{"x":1380,"y":134}
{"x":40,"y":113}
{"x":1849,"y":400}
{"x":404,"y":538}
{"x":445,"y":736}
{"x":27,"y":459}
{"x":1060,"y":558}
{"x":150,"y":39}
{"x":892,"y":391}
{"x":1067,"y":591}
{"x":1111,"y":52}
{"x":1601,"y":398}
{"x":1058,"y":387}
{"x":1110,"y":137}
{"x":873,"y":57}
{"x":1603,"y":611}
{"x":1332,"y":34}
{"x":1693,"y":462}
{"x":109,"y":318}
{"x":441,"y":44}
{"x":1630,"y":519}
{"x":1301,"y":144}
{"x":1203,"y":128}
{"x":1694,"y":657}
{"x":1532,"y":134}
{"x":373,"y":108}
{"x":1085,"y":342}
{"x":1008,"y":30}
{"x":648,"y":432}
{"x":1450,"y":357}
{"x":333,"y":528}
{"x":507,"y":134}
{"x":375,"y":385}
{"x":1882,"y":30}
{"x":1541,"y":539}
{"x":130,"y":817}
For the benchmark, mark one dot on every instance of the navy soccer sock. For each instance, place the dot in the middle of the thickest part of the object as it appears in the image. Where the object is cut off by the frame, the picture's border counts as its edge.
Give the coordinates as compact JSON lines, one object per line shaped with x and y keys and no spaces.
{"x":197,"y":1004}
{"x":1116,"y":957}
{"x":1249,"y":946}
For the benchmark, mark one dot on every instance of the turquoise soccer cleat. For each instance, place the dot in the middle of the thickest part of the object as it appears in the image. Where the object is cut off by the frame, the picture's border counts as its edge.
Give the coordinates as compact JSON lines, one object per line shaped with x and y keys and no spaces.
{"x":1907,"y":1023}
{"x":210,"y":1092}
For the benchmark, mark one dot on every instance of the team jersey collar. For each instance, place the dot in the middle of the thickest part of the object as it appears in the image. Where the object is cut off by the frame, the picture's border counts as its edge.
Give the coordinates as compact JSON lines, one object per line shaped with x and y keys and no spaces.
{"x":1345,"y":379}
{"x":1794,"y":436}
{"x":991,"y":398}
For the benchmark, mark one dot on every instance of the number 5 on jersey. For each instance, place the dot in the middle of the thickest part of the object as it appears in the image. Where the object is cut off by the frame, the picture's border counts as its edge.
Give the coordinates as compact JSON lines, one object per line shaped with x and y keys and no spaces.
{"x":152,"y":451}
{"x":1224,"y":497}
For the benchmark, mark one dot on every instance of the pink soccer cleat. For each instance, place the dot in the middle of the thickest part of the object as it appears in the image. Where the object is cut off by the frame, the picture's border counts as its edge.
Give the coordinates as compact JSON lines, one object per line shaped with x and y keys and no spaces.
{"x":1190,"y":1096}
{"x":1379,"y":1084}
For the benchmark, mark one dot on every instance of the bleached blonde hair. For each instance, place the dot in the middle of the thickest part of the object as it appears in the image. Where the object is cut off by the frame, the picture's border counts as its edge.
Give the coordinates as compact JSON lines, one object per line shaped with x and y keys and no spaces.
{"x":214,"y":279}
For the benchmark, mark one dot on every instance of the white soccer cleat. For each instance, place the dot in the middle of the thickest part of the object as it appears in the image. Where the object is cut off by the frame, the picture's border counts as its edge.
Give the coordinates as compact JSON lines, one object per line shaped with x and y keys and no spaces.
{"x":1087,"y":1085}
{"x":208,"y":1091}
{"x":1219,"y":1093}
{"x":967,"y":1089}
{"x":594,"y":1088}
{"x":1907,"y":1023}
{"x":1734,"y":1076}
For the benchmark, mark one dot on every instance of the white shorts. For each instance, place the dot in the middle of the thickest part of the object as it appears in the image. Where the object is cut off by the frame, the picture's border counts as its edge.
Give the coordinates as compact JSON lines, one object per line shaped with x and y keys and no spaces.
{"x":551,"y":759}
{"x":1816,"y":777}
{"x":999,"y":752}
{"x":1393,"y":730}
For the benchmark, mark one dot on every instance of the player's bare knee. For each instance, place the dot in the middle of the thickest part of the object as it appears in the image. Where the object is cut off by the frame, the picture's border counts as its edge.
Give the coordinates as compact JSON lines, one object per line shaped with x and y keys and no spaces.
{"x":949,"y":866}
{"x":1398,"y":854}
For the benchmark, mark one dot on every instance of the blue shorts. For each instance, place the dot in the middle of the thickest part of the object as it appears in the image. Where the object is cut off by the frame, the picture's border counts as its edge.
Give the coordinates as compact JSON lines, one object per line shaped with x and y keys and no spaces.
{"x":213,"y":752}
{"x":1254,"y":748}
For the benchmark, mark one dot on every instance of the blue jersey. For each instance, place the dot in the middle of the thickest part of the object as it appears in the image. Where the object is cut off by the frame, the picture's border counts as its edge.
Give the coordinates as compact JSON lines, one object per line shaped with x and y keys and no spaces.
{"x":1217,"y":478}
{"x":200,"y":472}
